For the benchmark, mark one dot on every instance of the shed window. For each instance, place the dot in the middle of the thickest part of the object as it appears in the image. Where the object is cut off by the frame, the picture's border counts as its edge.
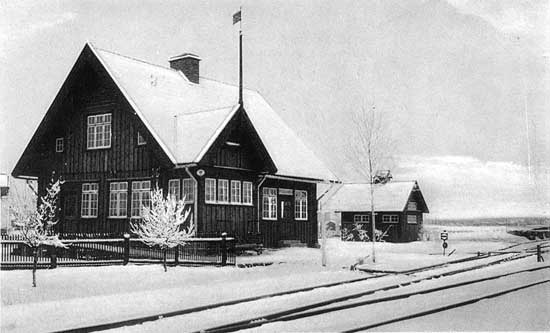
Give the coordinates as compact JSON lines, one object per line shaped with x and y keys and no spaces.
{"x":210,"y":190}
{"x":412,"y":219}
{"x":247,"y":193}
{"x":189,"y":190}
{"x":269,"y":203}
{"x":89,"y":200}
{"x":141,"y":197}
{"x":390,"y":218}
{"x":300,"y":205}
{"x":118,"y":198}
{"x":412,"y":206}
{"x":223,"y":190}
{"x":59,"y":145}
{"x":174,"y":188}
{"x":99,"y":131}
{"x":235,"y":191}
{"x":140,"y":139}
{"x":361,"y":218}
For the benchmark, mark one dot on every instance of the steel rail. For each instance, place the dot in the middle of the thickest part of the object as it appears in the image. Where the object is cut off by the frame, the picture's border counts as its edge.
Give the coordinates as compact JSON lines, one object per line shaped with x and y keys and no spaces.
{"x":444,"y":308}
{"x":299,"y":312}
{"x":157,"y":316}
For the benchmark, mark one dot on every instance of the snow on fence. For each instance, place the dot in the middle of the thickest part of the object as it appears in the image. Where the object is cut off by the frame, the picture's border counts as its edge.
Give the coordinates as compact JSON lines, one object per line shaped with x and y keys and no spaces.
{"x":116,"y":251}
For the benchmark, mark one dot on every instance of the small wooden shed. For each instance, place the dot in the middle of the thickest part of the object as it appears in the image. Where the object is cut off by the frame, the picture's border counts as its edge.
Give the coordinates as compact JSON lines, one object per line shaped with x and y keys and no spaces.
{"x":399,"y":207}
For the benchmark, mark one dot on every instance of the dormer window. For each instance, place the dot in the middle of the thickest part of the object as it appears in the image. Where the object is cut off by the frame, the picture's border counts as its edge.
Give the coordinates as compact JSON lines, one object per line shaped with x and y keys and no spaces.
{"x":59,"y":145}
{"x":99,"y":131}
{"x":140,"y":139}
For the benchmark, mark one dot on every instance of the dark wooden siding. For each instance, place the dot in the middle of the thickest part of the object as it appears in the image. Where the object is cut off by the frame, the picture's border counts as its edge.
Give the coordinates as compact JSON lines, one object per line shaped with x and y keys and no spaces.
{"x":93,"y":94}
{"x":397,"y":232}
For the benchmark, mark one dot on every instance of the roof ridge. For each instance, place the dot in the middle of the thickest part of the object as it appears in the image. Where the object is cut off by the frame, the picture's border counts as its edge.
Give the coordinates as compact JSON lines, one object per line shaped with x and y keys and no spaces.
{"x":228,"y":84}
{"x":136,"y":59}
{"x":201,"y":111}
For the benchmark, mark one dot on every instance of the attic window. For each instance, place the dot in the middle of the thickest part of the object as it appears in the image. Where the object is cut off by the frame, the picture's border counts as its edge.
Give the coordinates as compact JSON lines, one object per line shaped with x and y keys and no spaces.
{"x":140,"y":139}
{"x":99,"y":131}
{"x":59,"y":145}
{"x":232,"y":144}
{"x":412,"y":206}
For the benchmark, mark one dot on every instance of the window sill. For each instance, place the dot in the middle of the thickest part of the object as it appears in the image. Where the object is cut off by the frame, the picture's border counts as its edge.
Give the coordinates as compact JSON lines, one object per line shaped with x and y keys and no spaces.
{"x":98,"y":148}
{"x":390,"y":222}
{"x":269,"y":219}
{"x":89,"y":217}
{"x":301,"y":219}
{"x":117,"y":217}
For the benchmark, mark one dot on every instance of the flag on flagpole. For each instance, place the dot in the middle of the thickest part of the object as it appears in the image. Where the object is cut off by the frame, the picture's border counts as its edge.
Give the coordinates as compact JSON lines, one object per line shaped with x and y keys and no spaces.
{"x":237,"y":17}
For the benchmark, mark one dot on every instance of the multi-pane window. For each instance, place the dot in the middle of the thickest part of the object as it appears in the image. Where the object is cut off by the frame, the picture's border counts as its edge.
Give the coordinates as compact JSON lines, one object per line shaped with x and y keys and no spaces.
{"x":141,"y":197}
{"x":300,"y":205}
{"x":174,"y":188}
{"x":412,"y":219}
{"x":235,"y":191}
{"x":210,"y":190}
{"x":118,"y":199}
{"x":361,"y":218}
{"x":390,"y":218}
{"x":59,"y":145}
{"x":99,"y":131}
{"x":140,"y":139}
{"x":269,"y":203}
{"x":247,"y":193}
{"x":411,"y":206}
{"x":189,"y":190}
{"x":89,"y":200}
{"x":223,"y":190}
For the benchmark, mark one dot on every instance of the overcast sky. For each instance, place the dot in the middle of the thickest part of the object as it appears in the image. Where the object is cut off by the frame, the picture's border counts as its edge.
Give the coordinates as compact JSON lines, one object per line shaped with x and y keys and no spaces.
{"x":455,"y":79}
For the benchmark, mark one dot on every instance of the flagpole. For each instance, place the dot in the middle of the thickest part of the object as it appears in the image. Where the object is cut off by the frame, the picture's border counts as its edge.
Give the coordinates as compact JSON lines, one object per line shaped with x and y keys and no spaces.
{"x":241,"y":58}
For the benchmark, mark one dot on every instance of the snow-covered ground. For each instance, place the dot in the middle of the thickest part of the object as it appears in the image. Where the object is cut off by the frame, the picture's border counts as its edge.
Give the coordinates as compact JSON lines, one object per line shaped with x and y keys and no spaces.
{"x":69,"y":297}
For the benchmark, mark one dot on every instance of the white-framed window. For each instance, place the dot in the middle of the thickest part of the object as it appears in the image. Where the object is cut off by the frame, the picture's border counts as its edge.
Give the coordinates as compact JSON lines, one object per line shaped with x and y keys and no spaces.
{"x":269,"y":203}
{"x":118,"y":199}
{"x":235,"y":191}
{"x":140,"y":139}
{"x":247,"y":193}
{"x":99,"y":131}
{"x":361,"y":218}
{"x":89,"y":200}
{"x":390,"y":218}
{"x":223,"y":190}
{"x":411,"y":205}
{"x":210,"y":190}
{"x":174,"y":188}
{"x":59,"y":145}
{"x":412,"y":219}
{"x":141,"y":197}
{"x":300,"y":205}
{"x":189,"y":190}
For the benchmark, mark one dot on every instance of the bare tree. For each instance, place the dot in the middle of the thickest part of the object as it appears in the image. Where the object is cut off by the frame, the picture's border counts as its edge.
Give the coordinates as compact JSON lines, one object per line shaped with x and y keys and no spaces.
{"x":369,"y":150}
{"x":162,"y":223}
{"x":35,"y":225}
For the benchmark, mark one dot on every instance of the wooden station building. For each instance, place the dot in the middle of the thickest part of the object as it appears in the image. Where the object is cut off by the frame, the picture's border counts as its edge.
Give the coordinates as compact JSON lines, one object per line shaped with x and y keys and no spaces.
{"x":119,"y":127}
{"x":399,"y":208}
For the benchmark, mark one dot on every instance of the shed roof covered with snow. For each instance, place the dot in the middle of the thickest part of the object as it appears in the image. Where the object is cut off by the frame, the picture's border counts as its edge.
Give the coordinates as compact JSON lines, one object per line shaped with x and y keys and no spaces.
{"x":389,"y":197}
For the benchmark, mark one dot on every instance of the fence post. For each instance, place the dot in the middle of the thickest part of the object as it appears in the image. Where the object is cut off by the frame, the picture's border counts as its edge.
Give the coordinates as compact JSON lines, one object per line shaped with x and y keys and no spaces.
{"x":53,"y":257}
{"x":224,"y":249}
{"x":177,"y":255}
{"x":126,"y":249}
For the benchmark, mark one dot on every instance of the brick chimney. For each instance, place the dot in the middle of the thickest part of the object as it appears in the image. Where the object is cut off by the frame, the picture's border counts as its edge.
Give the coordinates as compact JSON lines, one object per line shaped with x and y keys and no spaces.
{"x":187,"y":63}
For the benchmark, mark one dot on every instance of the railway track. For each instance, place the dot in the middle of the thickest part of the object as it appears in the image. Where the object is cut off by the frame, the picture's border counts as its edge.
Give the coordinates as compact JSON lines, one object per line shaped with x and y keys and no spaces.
{"x":489,"y":260}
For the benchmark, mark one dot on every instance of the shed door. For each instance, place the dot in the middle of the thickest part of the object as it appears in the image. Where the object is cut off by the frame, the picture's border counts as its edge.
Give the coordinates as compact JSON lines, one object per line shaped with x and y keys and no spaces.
{"x":286,"y":211}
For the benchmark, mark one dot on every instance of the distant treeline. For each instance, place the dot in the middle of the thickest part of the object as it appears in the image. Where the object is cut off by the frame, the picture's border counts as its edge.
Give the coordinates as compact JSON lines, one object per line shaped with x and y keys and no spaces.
{"x":487,"y":221}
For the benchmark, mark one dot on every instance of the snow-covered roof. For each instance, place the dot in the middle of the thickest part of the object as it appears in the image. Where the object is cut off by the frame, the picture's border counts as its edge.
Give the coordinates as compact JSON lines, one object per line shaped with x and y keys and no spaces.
{"x":389,"y":197}
{"x":185,"y":118}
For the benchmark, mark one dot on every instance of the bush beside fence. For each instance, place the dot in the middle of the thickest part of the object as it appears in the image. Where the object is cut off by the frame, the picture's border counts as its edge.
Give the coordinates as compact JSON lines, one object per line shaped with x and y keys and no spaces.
{"x":116,"y":251}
